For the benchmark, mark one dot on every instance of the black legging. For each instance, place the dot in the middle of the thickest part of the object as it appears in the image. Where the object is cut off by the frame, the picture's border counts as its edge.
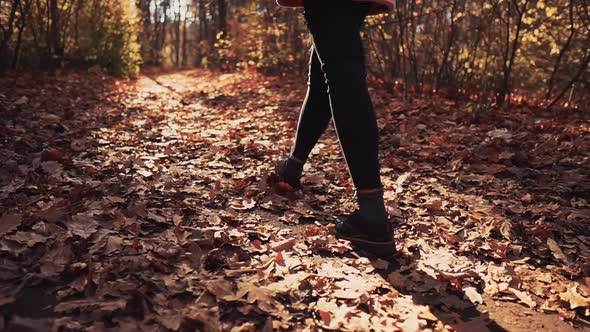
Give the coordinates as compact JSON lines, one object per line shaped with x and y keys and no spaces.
{"x":337,"y":87}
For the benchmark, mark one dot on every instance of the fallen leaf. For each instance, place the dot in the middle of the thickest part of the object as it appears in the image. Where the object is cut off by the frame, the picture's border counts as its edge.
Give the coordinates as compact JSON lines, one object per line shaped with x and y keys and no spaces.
{"x":326,"y":317}
{"x":283,"y":245}
{"x":575,"y":299}
{"x":523,"y":297}
{"x":473,"y":295}
{"x":83,"y":225}
{"x":556,"y":250}
{"x":9,"y":222}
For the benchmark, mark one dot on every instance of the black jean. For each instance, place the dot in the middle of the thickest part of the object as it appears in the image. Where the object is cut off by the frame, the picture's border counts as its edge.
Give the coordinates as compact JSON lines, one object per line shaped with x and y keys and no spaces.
{"x":337,"y":88}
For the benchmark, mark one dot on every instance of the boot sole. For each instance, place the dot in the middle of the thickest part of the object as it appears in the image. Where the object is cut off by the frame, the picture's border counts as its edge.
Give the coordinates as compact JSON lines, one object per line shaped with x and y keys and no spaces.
{"x":380,"y":249}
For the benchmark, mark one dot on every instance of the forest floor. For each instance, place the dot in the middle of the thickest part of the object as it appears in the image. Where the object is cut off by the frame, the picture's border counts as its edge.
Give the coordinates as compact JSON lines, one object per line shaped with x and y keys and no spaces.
{"x":143,"y":205}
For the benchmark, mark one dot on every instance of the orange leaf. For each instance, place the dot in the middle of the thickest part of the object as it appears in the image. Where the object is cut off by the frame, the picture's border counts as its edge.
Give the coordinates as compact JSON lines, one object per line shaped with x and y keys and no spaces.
{"x":393,"y":294}
{"x":284,"y":186}
{"x":257,"y":243}
{"x":283,"y":245}
{"x":326,"y":317}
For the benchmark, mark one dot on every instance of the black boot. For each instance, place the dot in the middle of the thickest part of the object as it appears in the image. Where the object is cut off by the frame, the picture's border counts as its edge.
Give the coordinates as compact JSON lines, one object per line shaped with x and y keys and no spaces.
{"x":369,"y":227}
{"x":289,"y":171}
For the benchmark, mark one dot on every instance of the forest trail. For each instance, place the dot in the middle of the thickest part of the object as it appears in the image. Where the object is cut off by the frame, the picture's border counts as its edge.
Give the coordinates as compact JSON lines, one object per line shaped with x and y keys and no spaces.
{"x":137,"y":205}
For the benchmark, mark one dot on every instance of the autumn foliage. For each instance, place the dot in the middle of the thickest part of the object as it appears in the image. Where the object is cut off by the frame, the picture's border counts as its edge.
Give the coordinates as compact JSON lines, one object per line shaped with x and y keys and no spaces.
{"x":137,"y":145}
{"x":521,"y":51}
{"x":145,"y":205}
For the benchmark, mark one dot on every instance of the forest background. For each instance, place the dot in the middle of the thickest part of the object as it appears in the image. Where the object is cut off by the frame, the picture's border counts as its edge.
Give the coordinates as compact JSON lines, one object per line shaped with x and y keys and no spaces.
{"x":491,"y":51}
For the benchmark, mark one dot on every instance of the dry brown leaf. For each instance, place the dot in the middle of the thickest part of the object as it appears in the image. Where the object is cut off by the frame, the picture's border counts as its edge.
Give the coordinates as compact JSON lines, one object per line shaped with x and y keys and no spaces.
{"x":556,"y":250}
{"x":473,"y":295}
{"x":286,"y":244}
{"x":222,"y":289}
{"x":83,"y":225}
{"x":523,"y":297}
{"x":574,"y":298}
{"x":9,"y":222}
{"x":91,"y":304}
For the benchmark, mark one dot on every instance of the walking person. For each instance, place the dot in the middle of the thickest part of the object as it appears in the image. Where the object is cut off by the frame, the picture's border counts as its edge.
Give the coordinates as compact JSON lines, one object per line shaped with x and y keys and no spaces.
{"x":337,"y":89}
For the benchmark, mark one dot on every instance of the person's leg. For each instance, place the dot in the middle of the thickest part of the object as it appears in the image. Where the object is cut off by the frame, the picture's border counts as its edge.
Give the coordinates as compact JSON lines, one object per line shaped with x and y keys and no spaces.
{"x":335,"y":29}
{"x":315,"y":112}
{"x":313,"y":120}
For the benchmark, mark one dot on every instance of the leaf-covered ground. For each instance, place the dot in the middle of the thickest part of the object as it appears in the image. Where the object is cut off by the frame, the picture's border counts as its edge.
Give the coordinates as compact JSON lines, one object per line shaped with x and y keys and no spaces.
{"x":143,"y":206}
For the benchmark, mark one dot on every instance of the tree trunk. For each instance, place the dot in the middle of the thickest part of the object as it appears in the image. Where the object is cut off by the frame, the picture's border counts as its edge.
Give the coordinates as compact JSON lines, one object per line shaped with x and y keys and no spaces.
{"x":7,"y":33}
{"x":184,"y":40}
{"x":202,"y":32}
{"x":510,"y":55}
{"x":562,"y":51}
{"x":22,"y":24}
{"x":222,"y":19}
{"x":56,"y":50}
{"x":445,"y":59}
{"x":177,"y":36}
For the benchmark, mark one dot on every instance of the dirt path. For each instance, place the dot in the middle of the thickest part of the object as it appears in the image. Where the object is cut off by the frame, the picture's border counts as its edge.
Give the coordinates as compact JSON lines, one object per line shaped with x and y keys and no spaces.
{"x":144,"y":206}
